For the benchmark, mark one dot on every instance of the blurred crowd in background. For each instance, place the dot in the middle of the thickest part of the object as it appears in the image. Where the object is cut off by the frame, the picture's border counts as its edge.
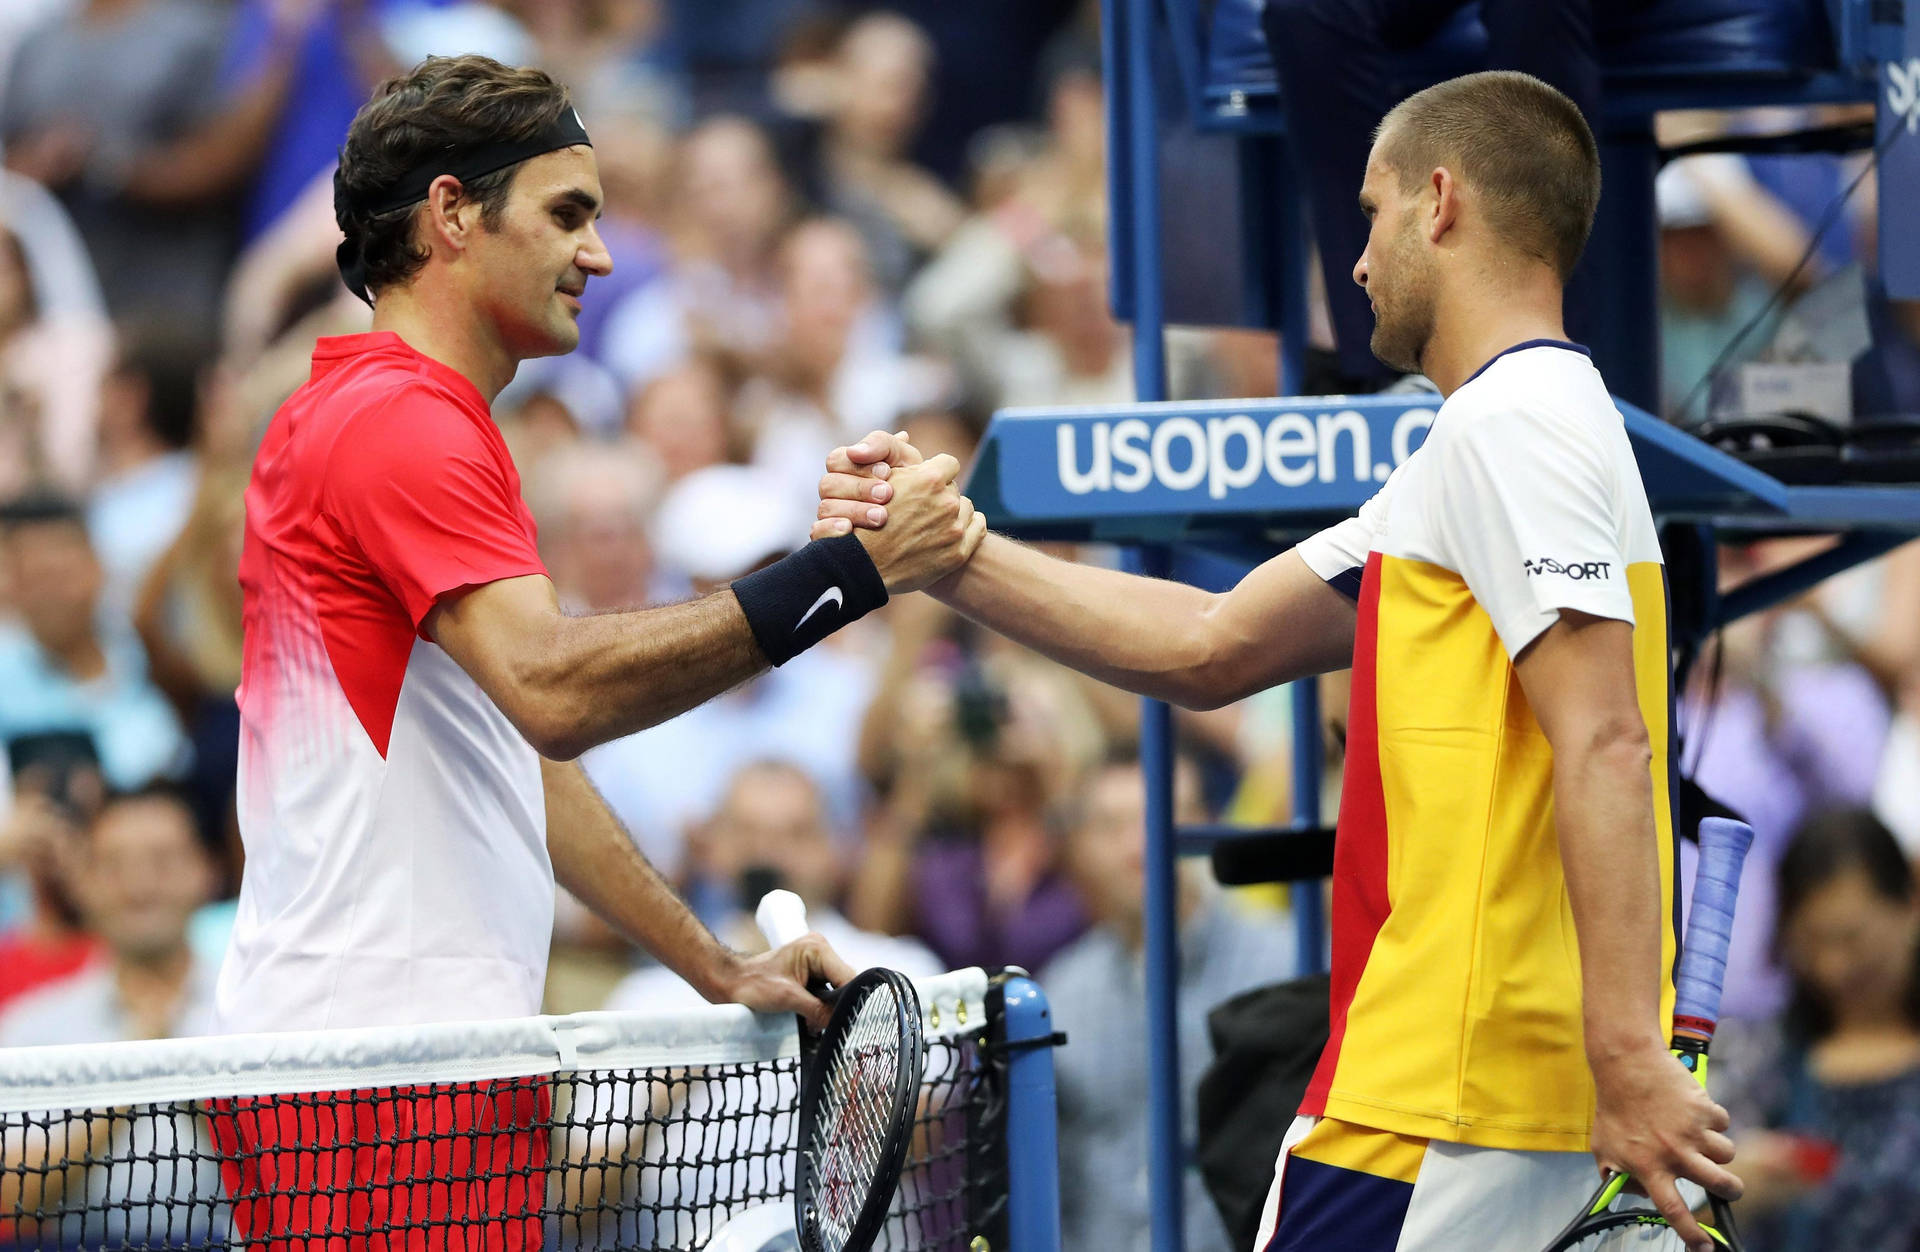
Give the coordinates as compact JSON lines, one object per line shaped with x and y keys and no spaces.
{"x":824,"y":220}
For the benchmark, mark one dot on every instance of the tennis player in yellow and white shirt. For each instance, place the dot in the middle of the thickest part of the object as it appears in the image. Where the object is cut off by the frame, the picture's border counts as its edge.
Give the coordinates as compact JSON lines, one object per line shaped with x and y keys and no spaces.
{"x":1503,"y":897}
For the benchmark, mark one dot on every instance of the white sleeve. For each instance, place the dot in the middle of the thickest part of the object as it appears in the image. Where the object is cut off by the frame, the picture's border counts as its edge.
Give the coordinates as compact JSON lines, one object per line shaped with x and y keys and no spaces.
{"x":1526,"y":512}
{"x":1338,"y":554}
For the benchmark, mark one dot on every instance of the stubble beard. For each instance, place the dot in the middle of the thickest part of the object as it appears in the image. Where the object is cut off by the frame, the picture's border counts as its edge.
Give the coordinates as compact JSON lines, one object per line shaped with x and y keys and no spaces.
{"x":1403,"y":321}
{"x":1400,"y":344}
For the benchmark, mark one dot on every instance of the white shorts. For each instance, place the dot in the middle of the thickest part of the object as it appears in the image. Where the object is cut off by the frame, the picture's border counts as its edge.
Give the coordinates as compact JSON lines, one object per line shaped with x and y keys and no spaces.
{"x":1338,"y":1187}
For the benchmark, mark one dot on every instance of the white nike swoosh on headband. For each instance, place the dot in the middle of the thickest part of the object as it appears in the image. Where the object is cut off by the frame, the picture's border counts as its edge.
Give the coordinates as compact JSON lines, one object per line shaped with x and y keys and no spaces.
{"x":831,"y":593}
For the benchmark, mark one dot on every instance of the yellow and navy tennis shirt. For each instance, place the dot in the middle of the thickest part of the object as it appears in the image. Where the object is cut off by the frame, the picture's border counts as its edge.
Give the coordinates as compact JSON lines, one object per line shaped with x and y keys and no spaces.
{"x":1456,"y":967}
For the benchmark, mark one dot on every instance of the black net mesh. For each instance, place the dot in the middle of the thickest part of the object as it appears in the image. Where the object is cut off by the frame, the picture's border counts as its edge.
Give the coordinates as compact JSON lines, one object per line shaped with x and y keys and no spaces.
{"x":655,"y":1158}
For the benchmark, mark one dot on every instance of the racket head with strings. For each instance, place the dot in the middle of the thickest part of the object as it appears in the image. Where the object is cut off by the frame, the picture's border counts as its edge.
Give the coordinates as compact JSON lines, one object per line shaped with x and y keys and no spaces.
{"x":1599,"y":1226}
{"x":859,"y":1093}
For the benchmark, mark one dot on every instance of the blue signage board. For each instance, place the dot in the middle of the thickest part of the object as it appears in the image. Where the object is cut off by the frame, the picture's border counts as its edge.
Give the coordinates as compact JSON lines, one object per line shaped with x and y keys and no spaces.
{"x":1310,"y":455}
{"x":1897,"y":132}
{"x":1258,"y":469}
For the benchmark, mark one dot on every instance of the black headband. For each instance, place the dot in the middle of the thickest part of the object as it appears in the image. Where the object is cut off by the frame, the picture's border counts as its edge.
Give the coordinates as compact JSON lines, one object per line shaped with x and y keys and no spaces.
{"x":465,"y":164}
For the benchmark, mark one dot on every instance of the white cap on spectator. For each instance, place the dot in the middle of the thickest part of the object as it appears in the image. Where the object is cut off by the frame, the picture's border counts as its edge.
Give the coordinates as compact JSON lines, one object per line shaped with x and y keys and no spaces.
{"x":723,"y":521}
{"x":417,"y":31}
{"x":1685,"y":191}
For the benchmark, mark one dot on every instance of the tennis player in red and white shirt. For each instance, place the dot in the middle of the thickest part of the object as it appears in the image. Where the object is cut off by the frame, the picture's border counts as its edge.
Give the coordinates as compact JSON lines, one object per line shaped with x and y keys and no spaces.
{"x":410,"y":687}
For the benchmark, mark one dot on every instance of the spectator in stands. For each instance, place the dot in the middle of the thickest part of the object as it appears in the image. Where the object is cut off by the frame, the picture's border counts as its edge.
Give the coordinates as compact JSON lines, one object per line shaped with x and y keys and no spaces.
{"x":969,"y":301}
{"x":69,"y":668}
{"x":770,"y":830}
{"x":1826,"y":1107}
{"x":883,"y":67}
{"x":720,"y":292}
{"x":1792,"y":726}
{"x":1070,"y":350}
{"x":975,"y":748}
{"x":990,"y":55}
{"x":613,"y":54}
{"x":684,"y":417}
{"x":188,"y":616}
{"x":714,"y":526}
{"x":141,"y":874}
{"x":835,"y":367}
{"x":1082,"y":356}
{"x":45,"y":938}
{"x":147,"y":168}
{"x":339,"y":59}
{"x":580,"y":399}
{"x":1893,"y":656}
{"x":593,"y":504}
{"x":286,"y":274}
{"x":1725,"y":244}
{"x":1098,"y":988}
{"x":536,"y":419}
{"x":52,"y":354}
{"x":146,"y":475}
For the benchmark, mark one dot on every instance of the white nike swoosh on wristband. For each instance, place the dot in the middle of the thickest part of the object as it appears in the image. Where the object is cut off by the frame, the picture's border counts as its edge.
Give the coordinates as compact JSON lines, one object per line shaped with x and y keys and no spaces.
{"x":831,"y":593}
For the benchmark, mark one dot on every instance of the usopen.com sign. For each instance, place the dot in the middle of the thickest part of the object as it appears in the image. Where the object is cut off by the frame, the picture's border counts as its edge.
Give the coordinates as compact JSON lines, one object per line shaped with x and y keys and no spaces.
{"x":1311,"y":454}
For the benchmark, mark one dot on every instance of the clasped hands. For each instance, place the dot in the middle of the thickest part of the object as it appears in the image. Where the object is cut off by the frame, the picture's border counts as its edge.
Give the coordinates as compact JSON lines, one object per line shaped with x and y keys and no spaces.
{"x":904,"y":508}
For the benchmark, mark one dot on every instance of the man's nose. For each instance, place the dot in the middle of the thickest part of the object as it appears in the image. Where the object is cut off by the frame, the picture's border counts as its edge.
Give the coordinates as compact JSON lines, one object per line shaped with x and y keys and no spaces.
{"x":594,"y":258}
{"x":1360,"y":270}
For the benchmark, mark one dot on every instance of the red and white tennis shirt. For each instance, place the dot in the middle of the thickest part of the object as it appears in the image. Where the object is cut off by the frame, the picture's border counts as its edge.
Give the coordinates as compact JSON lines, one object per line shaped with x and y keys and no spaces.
{"x":394,"y":820}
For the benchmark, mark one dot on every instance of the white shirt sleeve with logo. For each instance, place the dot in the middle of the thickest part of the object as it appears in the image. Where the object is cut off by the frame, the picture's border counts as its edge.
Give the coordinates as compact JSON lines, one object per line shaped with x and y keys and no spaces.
{"x":1527,"y":513}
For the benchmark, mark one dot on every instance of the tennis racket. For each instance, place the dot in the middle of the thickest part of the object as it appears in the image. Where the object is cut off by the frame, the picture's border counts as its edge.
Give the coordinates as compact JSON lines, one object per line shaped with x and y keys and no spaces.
{"x":859,"y":1091}
{"x":1601,"y":1227}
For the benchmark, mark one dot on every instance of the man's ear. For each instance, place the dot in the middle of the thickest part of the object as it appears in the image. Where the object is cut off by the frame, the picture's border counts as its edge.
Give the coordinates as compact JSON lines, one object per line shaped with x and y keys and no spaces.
{"x":1444,"y":211}
{"x":451,"y":214}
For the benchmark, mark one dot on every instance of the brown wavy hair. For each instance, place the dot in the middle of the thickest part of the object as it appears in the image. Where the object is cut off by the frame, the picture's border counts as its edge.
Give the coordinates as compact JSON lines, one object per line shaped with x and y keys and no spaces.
{"x":442,"y":103}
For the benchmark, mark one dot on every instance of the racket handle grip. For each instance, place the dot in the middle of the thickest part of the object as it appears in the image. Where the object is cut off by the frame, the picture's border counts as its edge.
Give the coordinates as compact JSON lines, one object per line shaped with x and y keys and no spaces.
{"x":1703,"y":958}
{"x":782,"y":917}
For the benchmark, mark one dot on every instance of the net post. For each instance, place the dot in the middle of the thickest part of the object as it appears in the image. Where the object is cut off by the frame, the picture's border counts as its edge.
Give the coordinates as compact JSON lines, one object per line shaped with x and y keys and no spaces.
{"x":1033,"y":1151}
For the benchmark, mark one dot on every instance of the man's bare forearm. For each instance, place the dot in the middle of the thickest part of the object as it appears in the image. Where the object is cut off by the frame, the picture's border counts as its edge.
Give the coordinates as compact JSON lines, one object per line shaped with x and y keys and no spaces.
{"x":594,"y":858}
{"x":609,"y":675}
{"x":1158,"y":638}
{"x":1603,"y":805}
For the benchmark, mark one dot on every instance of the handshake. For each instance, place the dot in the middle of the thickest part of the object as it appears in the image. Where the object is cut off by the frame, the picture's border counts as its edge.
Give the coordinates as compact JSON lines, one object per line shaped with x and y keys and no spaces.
{"x":914,"y":523}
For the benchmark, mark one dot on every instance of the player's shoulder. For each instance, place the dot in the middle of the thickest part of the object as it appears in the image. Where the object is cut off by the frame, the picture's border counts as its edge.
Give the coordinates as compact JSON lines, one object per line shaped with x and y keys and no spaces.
{"x":378,"y":395}
{"x":388,"y":414}
{"x":1530,"y":397}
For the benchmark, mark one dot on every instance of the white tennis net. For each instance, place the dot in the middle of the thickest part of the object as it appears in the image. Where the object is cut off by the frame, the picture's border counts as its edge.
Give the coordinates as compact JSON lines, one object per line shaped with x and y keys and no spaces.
{"x":592,"y":1131}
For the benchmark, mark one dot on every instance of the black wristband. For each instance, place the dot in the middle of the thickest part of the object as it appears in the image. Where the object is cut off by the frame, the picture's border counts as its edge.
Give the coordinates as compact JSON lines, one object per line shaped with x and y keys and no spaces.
{"x":801,"y":599}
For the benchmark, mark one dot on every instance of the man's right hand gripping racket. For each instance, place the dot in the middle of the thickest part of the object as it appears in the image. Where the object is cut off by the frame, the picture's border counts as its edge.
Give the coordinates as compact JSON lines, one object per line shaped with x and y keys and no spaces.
{"x":1600,"y":1226}
{"x":859,"y":1092}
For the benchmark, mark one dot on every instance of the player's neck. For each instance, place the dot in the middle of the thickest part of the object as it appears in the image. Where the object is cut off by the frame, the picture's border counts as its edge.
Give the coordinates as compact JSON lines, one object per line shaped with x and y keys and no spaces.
{"x":446,"y":329}
{"x":1474,"y":325}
